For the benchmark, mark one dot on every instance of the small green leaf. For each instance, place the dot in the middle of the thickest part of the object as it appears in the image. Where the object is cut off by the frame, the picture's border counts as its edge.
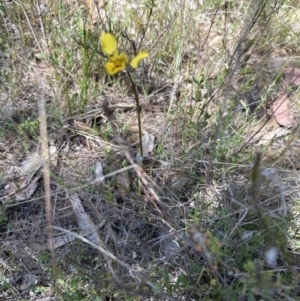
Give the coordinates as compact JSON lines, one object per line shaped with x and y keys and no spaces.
{"x":40,"y":55}
{"x":191,"y":110}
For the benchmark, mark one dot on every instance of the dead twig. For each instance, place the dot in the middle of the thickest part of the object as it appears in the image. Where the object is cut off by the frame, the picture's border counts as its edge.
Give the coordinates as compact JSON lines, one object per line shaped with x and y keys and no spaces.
{"x":46,"y":175}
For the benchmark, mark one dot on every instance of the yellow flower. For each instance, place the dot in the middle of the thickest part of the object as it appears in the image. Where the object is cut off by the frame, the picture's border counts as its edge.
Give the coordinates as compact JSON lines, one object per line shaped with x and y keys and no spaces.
{"x":116,"y":63}
{"x":108,"y":43}
{"x":135,"y":61}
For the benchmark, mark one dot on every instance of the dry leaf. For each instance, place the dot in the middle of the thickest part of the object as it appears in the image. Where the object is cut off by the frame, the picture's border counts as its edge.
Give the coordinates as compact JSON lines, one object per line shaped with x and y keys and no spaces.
{"x":178,"y":183}
{"x":280,"y":108}
{"x":256,"y":132}
{"x":85,"y":223}
{"x":264,"y":132}
{"x":32,"y":164}
{"x":53,"y":153}
{"x":99,"y":177}
{"x":123,"y":184}
{"x":272,"y":175}
{"x":168,"y":245}
{"x":292,"y":76}
{"x":148,"y":146}
{"x":23,"y":188}
{"x":132,"y":135}
{"x":272,"y":256}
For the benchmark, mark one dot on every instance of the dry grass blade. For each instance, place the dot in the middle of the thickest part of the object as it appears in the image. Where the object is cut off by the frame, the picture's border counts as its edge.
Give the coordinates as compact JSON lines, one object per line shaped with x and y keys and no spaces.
{"x":46,"y":175}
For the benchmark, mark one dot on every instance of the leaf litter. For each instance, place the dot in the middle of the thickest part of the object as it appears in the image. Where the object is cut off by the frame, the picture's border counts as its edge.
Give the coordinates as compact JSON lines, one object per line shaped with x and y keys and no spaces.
{"x":281,"y":105}
{"x":84,"y":158}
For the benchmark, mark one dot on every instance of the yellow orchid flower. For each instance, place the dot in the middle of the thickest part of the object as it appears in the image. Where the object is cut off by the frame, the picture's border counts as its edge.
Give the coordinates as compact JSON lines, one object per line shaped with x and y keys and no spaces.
{"x":109,"y":43}
{"x":135,"y":61}
{"x":116,"y":63}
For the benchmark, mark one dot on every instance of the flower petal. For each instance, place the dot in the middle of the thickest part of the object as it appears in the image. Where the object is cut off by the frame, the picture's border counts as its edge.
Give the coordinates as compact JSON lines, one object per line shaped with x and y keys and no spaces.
{"x":109,"y":43}
{"x":135,"y":61}
{"x":119,"y":59}
{"x":116,"y":63}
{"x":112,"y":69}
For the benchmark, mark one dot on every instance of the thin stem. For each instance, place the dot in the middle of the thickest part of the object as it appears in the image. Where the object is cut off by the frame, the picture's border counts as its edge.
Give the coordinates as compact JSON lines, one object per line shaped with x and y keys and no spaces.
{"x":138,"y":108}
{"x":46,"y":174}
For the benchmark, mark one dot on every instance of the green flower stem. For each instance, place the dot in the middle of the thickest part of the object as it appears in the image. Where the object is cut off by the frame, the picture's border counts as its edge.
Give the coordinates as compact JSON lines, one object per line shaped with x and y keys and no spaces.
{"x":138,"y":111}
